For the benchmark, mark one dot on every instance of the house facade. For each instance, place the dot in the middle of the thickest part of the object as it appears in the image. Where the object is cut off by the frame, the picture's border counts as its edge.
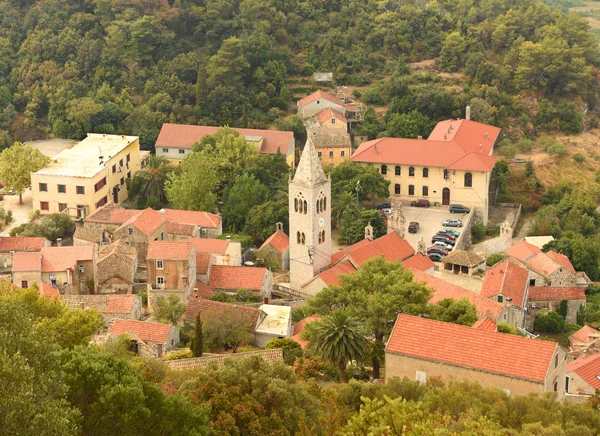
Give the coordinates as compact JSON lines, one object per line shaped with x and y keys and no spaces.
{"x":15,"y":244}
{"x":150,"y":225}
{"x":149,"y":339}
{"x":544,"y":299}
{"x":276,"y":250}
{"x":116,"y":266}
{"x":582,"y":380}
{"x":87,"y":176}
{"x":172,"y":266}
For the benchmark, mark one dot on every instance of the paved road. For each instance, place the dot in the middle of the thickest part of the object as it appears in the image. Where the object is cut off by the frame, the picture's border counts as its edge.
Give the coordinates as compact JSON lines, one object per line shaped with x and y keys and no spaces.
{"x":430,"y":222}
{"x":20,"y":211}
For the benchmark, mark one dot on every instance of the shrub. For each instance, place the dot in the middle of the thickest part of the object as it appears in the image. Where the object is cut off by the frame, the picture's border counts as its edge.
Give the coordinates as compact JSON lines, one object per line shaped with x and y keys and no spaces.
{"x":291,"y":349}
{"x":494,"y":259}
{"x":179,"y":354}
{"x":545,"y":141}
{"x":579,"y":158}
{"x":551,"y":322}
{"x":525,"y":144}
{"x":477,"y":233}
{"x":508,"y":151}
{"x":356,"y":93}
{"x":558,"y":149}
{"x":504,"y":327}
{"x":373,"y":96}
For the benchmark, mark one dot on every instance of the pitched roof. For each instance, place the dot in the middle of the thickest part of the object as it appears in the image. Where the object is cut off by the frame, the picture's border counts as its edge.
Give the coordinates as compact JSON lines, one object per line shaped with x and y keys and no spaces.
{"x":523,"y":250}
{"x":585,"y":335}
{"x":309,"y":170}
{"x":60,"y":258}
{"x":207,"y":245}
{"x":206,"y":307}
{"x":174,"y":250}
{"x":197,"y":217}
{"x":485,"y":324}
{"x":317,"y":95}
{"x":278,"y":240}
{"x":469,"y":135}
{"x":181,"y":229}
{"x":27,"y":262}
{"x":146,"y":222}
{"x":185,"y":136}
{"x":344,"y":251}
{"x":544,"y":264}
{"x":391,"y":246}
{"x":202,"y":262}
{"x":120,"y":304}
{"x":332,"y":275}
{"x":112,"y":213}
{"x":299,"y":328}
{"x":588,"y":368}
{"x":471,"y":348}
{"x":443,"y":289}
{"x":21,"y":243}
{"x":203,"y":291}
{"x":419,"y":262}
{"x":323,"y":137}
{"x":551,"y":293}
{"x":146,"y":331}
{"x":237,"y":277}
{"x":329,"y":113}
{"x":107,"y":304}
{"x":508,"y":279}
{"x":47,"y":291}
{"x":562,"y":259}
{"x":117,"y":248}
{"x":464,"y":258}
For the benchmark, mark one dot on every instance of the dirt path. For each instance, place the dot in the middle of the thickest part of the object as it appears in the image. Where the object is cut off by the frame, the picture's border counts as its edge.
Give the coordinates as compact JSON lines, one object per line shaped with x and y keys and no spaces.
{"x":20,"y":211}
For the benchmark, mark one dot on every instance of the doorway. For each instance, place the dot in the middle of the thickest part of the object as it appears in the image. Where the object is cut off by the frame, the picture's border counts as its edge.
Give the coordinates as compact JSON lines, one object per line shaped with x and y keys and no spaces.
{"x":446,"y":197}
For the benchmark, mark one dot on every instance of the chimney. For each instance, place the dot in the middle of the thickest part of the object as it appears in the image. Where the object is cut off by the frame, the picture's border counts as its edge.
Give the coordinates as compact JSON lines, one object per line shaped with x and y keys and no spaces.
{"x":228,"y":237}
{"x":480,"y":148}
{"x":375,"y":151}
{"x":468,"y":113}
{"x":419,"y":137}
{"x":59,"y":242}
{"x":445,"y":137}
{"x":265,"y":300}
{"x":195,"y":292}
{"x":162,"y":211}
{"x":487,"y":137}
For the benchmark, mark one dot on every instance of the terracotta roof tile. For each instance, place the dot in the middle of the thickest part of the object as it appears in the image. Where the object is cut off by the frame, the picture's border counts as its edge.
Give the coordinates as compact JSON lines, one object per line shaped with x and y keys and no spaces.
{"x":299,"y":328}
{"x":237,"y":277}
{"x":175,"y":250}
{"x":485,"y":324}
{"x":21,"y":243}
{"x":508,"y":279}
{"x":61,"y":258}
{"x":278,"y":240}
{"x":418,"y":262}
{"x":317,"y":95}
{"x":469,"y":135}
{"x":207,"y":245}
{"x":203,"y":262}
{"x":117,"y":248}
{"x":207,"y":307}
{"x":47,"y":291}
{"x":327,"y":114}
{"x":332,"y":275}
{"x":335,"y":257}
{"x":112,"y":213}
{"x":551,"y":293}
{"x":147,"y":221}
{"x":472,"y":348}
{"x":584,"y":336}
{"x":27,"y":262}
{"x":391,"y":246}
{"x":185,"y":136}
{"x":203,"y":291}
{"x":544,"y":264}
{"x":562,"y":259}
{"x":443,"y":289}
{"x":196,"y":217}
{"x":146,"y":331}
{"x":464,"y":258}
{"x":120,"y":304}
{"x":181,"y":229}
{"x":588,"y":368}
{"x":523,"y":251}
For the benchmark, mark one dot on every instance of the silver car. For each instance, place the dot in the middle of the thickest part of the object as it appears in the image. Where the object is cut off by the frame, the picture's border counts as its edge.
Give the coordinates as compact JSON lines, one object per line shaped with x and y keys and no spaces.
{"x":452,"y":223}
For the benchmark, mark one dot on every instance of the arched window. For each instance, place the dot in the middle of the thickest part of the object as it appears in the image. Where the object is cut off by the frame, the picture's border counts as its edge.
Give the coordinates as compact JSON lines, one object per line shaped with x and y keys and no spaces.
{"x":324,"y":203}
{"x":384,"y":169}
{"x":425,"y":172}
{"x":305,"y":207}
{"x":321,"y":205}
{"x":398,"y":171}
{"x":411,"y":172}
{"x":425,"y":191}
{"x":298,"y":237}
{"x":317,"y":206}
{"x":468,"y":180}
{"x":411,"y":189}
{"x":397,"y":189}
{"x":295,"y":204}
{"x":300,"y":208}
{"x":323,"y":237}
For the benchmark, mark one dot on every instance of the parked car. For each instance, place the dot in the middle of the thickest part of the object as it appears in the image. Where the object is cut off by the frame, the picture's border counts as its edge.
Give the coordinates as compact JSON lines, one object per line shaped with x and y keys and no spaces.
{"x":436,"y":257}
{"x":446,"y":235}
{"x":413,"y":227}
{"x":438,"y":250}
{"x":387,"y":211}
{"x":452,"y":223}
{"x":442,"y":239}
{"x":451,"y":232}
{"x":420,"y":203}
{"x":458,"y":208}
{"x":443,"y":245}
{"x":384,"y":206}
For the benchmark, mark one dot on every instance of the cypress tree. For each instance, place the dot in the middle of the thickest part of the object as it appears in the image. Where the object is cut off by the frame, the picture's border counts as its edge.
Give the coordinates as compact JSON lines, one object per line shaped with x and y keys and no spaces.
{"x":197,"y":340}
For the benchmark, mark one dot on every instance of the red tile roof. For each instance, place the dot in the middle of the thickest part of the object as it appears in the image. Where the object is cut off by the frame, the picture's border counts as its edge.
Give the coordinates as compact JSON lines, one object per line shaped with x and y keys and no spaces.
{"x":551,"y":293}
{"x":278,"y":240}
{"x":418,"y":262}
{"x":47,"y":291}
{"x":112,"y":213}
{"x":185,"y":136}
{"x":207,"y":307}
{"x":588,"y":368}
{"x":469,"y":135}
{"x":175,"y":250}
{"x":544,"y":264}
{"x":391,"y":246}
{"x":317,"y":95}
{"x":508,"y":279}
{"x":61,"y":258}
{"x":202,"y":262}
{"x":562,"y":259}
{"x":442,"y":290}
{"x":237,"y":277}
{"x":196,"y":217}
{"x":147,"y":221}
{"x":485,"y":324}
{"x":181,"y":229}
{"x":332,"y":275}
{"x":27,"y":262}
{"x":121,"y":304}
{"x":327,"y":114}
{"x":335,"y":257}
{"x":523,"y":250}
{"x":582,"y":336}
{"x":472,"y":348}
{"x":207,"y":245}
{"x":146,"y":331}
{"x":203,"y":291}
{"x":299,"y":328}
{"x":21,"y":243}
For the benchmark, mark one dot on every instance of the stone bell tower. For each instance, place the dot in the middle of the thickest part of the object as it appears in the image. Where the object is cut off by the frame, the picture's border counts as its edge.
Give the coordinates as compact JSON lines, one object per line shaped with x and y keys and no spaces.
{"x":395,"y":222}
{"x":310,"y":219}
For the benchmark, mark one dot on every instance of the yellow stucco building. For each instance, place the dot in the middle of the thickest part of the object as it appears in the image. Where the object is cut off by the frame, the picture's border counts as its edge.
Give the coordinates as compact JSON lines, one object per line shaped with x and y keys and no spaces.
{"x":87,"y":176}
{"x":453,"y":166}
{"x":329,"y":132}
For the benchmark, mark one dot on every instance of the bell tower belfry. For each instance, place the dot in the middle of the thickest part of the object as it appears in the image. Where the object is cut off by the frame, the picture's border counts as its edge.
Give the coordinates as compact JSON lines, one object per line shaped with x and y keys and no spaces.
{"x":310,"y":219}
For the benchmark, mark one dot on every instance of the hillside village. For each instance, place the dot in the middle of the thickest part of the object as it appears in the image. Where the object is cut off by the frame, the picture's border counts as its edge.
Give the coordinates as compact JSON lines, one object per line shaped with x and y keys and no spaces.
{"x":129,"y":263}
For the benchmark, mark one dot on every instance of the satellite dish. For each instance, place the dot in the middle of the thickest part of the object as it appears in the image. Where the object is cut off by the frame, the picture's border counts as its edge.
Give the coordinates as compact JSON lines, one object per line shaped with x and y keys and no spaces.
{"x":248,"y":263}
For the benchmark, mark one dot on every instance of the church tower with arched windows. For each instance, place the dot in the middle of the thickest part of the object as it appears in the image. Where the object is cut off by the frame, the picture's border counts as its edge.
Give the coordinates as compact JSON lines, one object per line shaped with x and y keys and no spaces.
{"x":310,"y":219}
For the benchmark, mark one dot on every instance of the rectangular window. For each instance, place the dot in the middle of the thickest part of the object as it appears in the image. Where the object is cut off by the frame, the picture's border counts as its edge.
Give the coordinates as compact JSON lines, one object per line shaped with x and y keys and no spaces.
{"x":61,"y":207}
{"x":342,"y":153}
{"x":62,"y":189}
{"x":120,"y":162}
{"x":24,"y":284}
{"x":333,"y":121}
{"x":80,"y":190}
{"x":567,"y":384}
{"x":80,"y":210}
{"x":101,"y":184}
{"x":44,"y":205}
{"x":421,"y":376}
{"x":130,"y":231}
{"x":181,"y":151}
{"x":101,"y":202}
{"x":43,"y":187}
{"x":122,"y":181}
{"x":425,"y":191}
{"x":397,"y":189}
{"x":128,"y":157}
{"x":160,"y":280}
{"x":129,"y":175}
{"x":165,"y":150}
{"x":159,"y":264}
{"x":162,"y":236}
{"x":331,"y":154}
{"x":411,"y":189}
{"x":114,"y":168}
{"x":319,"y":154}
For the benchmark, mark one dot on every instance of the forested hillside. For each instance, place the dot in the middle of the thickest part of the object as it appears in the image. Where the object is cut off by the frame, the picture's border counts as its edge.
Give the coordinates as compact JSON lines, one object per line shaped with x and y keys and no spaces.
{"x":68,"y":67}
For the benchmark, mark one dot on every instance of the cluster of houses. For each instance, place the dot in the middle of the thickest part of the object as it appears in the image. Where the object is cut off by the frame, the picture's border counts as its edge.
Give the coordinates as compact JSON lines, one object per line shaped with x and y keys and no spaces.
{"x":118,"y":253}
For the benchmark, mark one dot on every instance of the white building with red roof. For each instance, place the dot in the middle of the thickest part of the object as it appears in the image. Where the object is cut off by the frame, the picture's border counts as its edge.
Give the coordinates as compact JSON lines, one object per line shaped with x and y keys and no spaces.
{"x":453,"y":166}
{"x":421,"y":348}
{"x":211,"y":252}
{"x":175,"y":141}
{"x":319,"y":100}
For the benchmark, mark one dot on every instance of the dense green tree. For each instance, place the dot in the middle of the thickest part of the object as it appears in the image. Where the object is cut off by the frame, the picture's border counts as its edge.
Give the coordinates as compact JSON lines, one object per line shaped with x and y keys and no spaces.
{"x":16,"y":165}
{"x":197,"y":339}
{"x":291,"y":349}
{"x":152,"y":178}
{"x":454,"y":311}
{"x":345,"y":176}
{"x":192,"y":186}
{"x":353,"y":225}
{"x":245,"y":193}
{"x":227,"y":328}
{"x":260,"y":219}
{"x":168,"y":309}
{"x":344,"y":203}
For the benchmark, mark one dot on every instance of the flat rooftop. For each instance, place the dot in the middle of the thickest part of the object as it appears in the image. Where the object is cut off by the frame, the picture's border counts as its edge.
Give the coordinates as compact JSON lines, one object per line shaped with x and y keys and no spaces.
{"x":277,"y":320}
{"x":82,"y":160}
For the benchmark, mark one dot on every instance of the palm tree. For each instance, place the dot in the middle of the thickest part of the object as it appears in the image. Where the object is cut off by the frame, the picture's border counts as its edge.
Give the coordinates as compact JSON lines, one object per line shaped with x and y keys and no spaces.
{"x":153,"y":177}
{"x":339,"y":339}
{"x":343,"y":204}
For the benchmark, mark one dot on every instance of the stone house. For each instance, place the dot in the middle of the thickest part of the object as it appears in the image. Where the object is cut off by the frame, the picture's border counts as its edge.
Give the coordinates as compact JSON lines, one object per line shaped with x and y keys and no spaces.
{"x":110,"y":306}
{"x":582,"y":381}
{"x":139,"y":231}
{"x":232,"y":278}
{"x":171,"y":265}
{"x":149,"y":339}
{"x":10,"y":245}
{"x":205,"y":224}
{"x":117,"y":264}
{"x":583,"y":338}
{"x":462,"y":262}
{"x":276,"y":250}
{"x":420,"y":348}
{"x":544,"y":299}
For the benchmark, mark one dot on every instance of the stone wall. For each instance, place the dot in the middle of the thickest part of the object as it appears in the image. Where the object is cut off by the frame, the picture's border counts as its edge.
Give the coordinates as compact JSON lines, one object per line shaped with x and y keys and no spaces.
{"x":116,"y":274}
{"x":464,"y":240}
{"x":544,"y":307}
{"x":270,"y":356}
{"x":29,"y":276}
